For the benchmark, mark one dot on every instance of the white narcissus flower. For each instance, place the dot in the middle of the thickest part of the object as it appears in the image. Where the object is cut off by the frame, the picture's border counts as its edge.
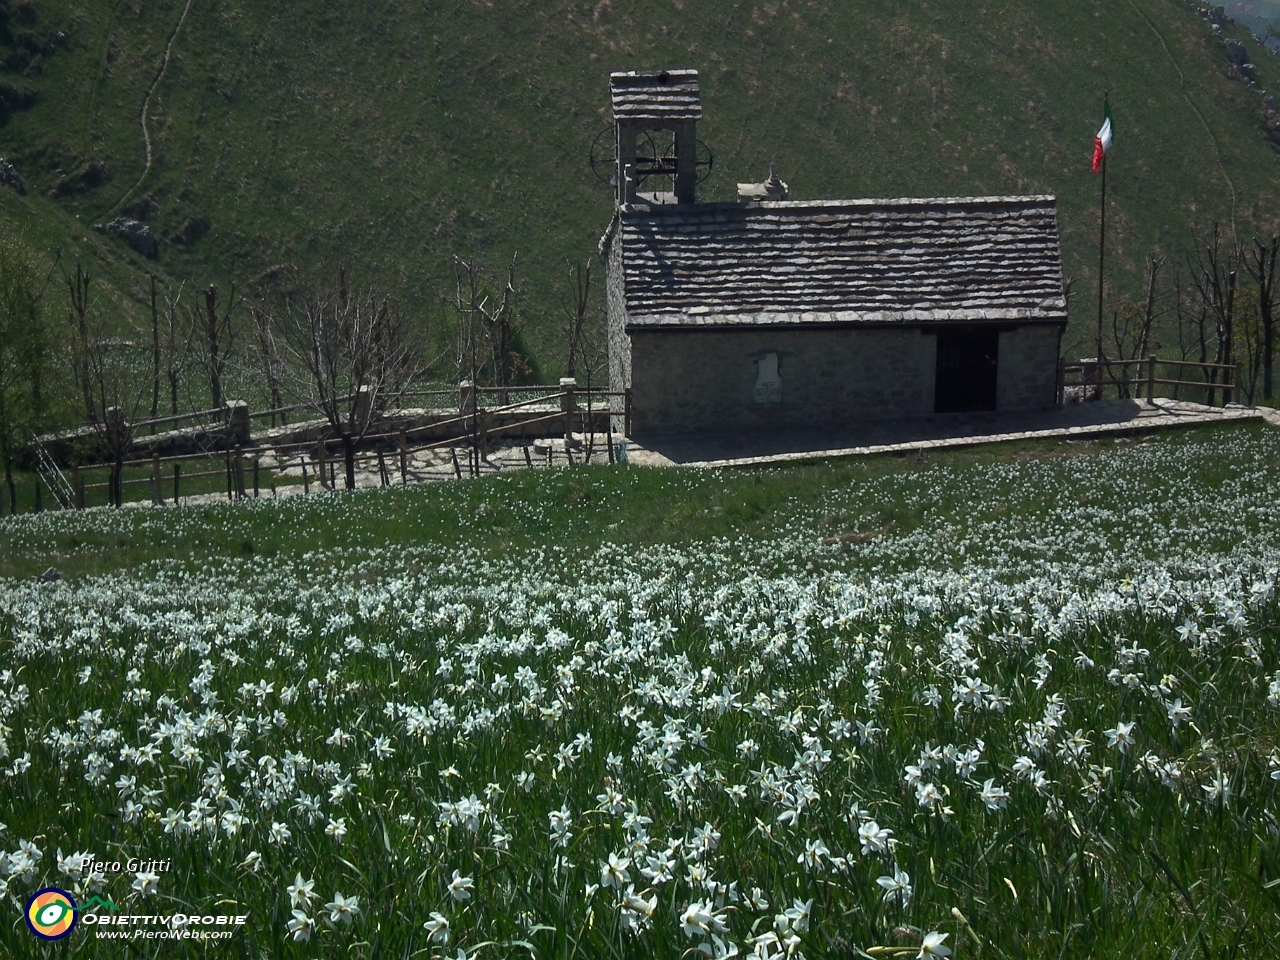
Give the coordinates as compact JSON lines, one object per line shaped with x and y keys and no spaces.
{"x":995,"y":797}
{"x":897,"y":888}
{"x":797,"y":915}
{"x":875,"y":839}
{"x":696,"y":919}
{"x":1120,"y":737}
{"x":636,"y":902}
{"x":73,"y":865}
{"x":146,"y":882}
{"x":343,"y":909}
{"x":437,"y":928}
{"x":1177,"y":712}
{"x":717,"y":949}
{"x":301,"y":926}
{"x":300,"y":892}
{"x":460,"y":887}
{"x":614,"y":872}
{"x":560,"y":821}
{"x":933,"y":946}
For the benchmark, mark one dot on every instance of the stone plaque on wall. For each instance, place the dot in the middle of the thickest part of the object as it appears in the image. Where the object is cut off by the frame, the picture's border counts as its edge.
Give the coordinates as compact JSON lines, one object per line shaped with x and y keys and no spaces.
{"x":768,"y":382}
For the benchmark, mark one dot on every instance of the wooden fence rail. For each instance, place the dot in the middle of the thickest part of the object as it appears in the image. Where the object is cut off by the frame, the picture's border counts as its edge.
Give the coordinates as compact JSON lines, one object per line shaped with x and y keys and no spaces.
{"x":1096,"y":375}
{"x":179,"y":417}
{"x":475,"y":429}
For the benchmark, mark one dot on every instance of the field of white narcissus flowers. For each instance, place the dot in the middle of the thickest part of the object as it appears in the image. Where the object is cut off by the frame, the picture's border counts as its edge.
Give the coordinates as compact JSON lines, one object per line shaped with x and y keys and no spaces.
{"x":1040,"y":722}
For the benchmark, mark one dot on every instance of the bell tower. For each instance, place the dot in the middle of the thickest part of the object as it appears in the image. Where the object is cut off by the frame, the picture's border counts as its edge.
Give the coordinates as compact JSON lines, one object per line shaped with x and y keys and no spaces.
{"x":666,"y":104}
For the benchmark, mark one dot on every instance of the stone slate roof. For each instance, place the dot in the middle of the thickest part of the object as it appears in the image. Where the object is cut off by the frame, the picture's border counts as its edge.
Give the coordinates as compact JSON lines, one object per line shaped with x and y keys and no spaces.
{"x":654,"y":95}
{"x":841,"y":261}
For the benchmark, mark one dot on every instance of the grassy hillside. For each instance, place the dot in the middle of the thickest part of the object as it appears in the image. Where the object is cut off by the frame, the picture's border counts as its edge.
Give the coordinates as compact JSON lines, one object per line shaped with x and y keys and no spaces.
{"x":399,"y":134}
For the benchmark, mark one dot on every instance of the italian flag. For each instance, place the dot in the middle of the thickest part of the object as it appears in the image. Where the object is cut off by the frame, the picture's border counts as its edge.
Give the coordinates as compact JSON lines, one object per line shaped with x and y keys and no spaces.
{"x":1102,"y":142}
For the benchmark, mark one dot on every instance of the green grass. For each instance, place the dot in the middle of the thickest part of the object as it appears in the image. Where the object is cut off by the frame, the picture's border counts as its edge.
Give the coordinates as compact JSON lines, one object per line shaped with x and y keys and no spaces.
{"x":718,"y":606}
{"x":584,"y":505}
{"x":395,"y":138}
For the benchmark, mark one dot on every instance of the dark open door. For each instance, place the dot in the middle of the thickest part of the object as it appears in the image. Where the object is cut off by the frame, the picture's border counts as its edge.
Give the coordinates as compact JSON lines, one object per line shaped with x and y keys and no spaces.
{"x":966,"y":370}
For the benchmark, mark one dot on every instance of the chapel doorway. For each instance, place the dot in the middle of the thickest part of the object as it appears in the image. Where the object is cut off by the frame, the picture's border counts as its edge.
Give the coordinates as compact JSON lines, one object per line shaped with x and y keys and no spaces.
{"x":966,"y":378}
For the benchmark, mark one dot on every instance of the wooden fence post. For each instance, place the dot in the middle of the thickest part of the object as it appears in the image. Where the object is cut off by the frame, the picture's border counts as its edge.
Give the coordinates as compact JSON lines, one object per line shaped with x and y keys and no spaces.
{"x":177,"y":474}
{"x":157,"y":495}
{"x":239,"y":473}
{"x":255,"y":476}
{"x":528,"y":461}
{"x":383,"y":478}
{"x":567,"y":386}
{"x":404,"y":457}
{"x":306,"y":481}
{"x":1151,"y":378}
{"x":609,"y":439}
{"x":626,"y":415}
{"x":79,"y":482}
{"x":457,"y":470}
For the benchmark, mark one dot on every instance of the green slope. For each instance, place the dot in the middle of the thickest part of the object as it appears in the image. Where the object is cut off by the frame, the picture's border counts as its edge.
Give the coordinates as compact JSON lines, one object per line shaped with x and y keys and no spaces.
{"x":399,"y":133}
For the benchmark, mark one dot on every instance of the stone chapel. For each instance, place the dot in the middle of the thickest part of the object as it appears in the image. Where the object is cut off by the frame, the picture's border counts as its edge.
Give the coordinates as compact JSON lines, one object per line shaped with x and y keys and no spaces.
{"x":770,"y":312}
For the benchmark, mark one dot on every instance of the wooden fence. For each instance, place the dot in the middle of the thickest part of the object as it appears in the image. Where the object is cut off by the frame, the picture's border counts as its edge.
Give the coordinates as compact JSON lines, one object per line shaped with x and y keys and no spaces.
{"x":1096,"y":376}
{"x":241,"y":464}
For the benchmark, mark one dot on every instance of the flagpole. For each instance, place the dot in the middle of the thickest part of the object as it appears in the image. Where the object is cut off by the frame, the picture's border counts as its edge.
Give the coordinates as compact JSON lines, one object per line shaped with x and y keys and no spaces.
{"x":1102,"y":243}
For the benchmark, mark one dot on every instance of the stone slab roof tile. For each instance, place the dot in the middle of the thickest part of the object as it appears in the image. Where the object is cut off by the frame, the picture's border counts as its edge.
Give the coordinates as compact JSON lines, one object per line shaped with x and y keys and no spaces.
{"x":965,"y":258}
{"x":656,"y":95}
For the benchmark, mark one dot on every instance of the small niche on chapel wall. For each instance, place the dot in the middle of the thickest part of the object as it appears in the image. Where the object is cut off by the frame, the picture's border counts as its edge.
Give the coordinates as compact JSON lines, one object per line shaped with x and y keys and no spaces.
{"x":768,"y":392}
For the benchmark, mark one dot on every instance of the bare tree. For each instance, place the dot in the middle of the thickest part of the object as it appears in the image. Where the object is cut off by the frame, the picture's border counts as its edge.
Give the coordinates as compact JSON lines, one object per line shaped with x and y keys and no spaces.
{"x":177,"y":346}
{"x":81,"y":340}
{"x":586,"y":352}
{"x":576,"y":304}
{"x":1194,"y":324}
{"x":268,"y":355}
{"x":217,"y":339}
{"x":1133,"y":326}
{"x":1213,"y":277}
{"x":155,"y":354}
{"x":1261,"y":264}
{"x":594,"y":364}
{"x":1150,"y":312}
{"x":1249,"y":340}
{"x":350,"y":355}
{"x":115,"y":381}
{"x":477,"y":302}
